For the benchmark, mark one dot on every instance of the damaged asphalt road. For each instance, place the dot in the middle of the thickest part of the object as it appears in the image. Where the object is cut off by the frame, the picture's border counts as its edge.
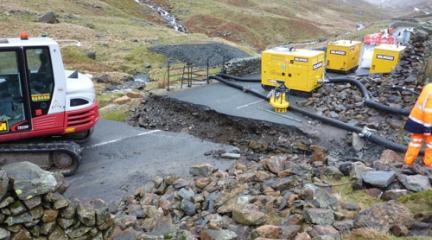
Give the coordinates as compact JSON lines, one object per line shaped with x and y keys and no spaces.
{"x":232,"y":102}
{"x":119,"y":159}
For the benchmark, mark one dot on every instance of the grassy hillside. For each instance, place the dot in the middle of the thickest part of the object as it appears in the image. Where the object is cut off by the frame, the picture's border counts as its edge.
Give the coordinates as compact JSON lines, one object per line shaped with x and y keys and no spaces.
{"x":121,"y":31}
{"x":262,"y":23}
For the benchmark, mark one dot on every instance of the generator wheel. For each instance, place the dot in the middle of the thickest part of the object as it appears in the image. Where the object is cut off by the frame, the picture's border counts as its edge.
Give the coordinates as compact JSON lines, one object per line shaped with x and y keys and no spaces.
{"x":64,"y":163}
{"x":267,"y":88}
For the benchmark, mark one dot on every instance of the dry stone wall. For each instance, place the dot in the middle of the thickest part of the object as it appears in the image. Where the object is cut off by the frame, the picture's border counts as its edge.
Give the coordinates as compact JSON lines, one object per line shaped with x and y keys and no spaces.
{"x":32,"y":207}
{"x":243,"y":66}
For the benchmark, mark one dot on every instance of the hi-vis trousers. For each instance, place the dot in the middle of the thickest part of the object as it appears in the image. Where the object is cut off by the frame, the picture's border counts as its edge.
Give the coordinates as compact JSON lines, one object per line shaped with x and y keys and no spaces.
{"x":414,"y":148}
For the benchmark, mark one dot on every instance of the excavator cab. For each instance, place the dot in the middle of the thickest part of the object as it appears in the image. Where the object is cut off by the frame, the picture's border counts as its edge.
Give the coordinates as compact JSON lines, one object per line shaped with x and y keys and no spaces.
{"x":38,"y":98}
{"x":25,"y":90}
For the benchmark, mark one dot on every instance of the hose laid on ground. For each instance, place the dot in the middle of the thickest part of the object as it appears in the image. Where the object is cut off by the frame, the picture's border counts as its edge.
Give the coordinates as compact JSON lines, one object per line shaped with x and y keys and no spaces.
{"x":362,"y":88}
{"x":240,"y":79}
{"x":404,"y":89}
{"x":367,"y":134}
{"x":366,"y":96}
{"x":387,"y":109}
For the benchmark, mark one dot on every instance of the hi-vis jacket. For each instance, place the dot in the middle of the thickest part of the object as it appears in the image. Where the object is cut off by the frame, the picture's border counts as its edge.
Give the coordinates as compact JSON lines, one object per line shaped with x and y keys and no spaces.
{"x":420,"y":118}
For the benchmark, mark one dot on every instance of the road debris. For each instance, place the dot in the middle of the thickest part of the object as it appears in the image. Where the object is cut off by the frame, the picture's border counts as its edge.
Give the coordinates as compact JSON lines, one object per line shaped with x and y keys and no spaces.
{"x":281,"y":196}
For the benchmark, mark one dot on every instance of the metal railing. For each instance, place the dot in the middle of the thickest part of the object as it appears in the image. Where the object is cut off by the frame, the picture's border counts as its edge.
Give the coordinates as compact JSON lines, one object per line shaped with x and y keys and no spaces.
{"x":189,"y":74}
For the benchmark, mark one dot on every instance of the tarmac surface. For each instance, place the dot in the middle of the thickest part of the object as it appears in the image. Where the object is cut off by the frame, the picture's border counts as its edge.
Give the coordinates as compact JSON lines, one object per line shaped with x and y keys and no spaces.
{"x":118,"y":159}
{"x":233,"y":102}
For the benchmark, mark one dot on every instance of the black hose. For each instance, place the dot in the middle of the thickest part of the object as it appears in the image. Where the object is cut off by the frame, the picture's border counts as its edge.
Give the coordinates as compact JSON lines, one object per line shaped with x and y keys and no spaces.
{"x":239,"y":87}
{"x":357,"y":83}
{"x":404,"y":89}
{"x":330,"y":121}
{"x":367,"y":99}
{"x":387,"y":143}
{"x":385,"y":108}
{"x":362,"y":88}
{"x":240,"y":79}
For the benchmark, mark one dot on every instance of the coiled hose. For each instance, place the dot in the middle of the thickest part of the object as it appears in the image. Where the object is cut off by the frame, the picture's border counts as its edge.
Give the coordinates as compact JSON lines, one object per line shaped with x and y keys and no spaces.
{"x":367,"y":134}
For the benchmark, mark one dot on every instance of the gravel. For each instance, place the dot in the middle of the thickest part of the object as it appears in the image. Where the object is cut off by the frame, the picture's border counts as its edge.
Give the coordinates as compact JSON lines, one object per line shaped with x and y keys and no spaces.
{"x":197,"y":54}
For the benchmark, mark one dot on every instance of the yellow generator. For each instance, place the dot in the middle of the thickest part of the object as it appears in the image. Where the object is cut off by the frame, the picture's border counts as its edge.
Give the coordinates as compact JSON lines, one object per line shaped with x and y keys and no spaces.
{"x":343,"y":55}
{"x":300,"y":69}
{"x":385,"y":59}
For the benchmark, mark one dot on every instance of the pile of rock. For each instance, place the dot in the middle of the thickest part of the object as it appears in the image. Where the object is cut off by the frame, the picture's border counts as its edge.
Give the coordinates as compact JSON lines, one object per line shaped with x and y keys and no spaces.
{"x":32,"y":207}
{"x":243,"y":66}
{"x":279,"y":197}
{"x":387,"y":178}
{"x":345,"y":102}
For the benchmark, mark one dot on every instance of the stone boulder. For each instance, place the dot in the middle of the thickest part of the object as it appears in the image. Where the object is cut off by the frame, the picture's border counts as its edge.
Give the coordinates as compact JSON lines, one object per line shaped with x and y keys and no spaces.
{"x":357,"y":170}
{"x":319,"y":216}
{"x":275,"y":164}
{"x":202,"y":170}
{"x":380,"y":179}
{"x":383,"y":216}
{"x":393,"y":194}
{"x":4,"y":234}
{"x":49,"y":17}
{"x":4,"y":183}
{"x":249,"y":215}
{"x":268,"y":231}
{"x":415,"y":183}
{"x":210,"y":234}
{"x":324,"y":232}
{"x":391,"y":157}
{"x":29,"y":180}
{"x":319,"y":197}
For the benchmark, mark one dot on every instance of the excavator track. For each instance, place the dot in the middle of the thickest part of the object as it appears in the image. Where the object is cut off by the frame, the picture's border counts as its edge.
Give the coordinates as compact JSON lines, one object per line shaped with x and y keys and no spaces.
{"x":63,"y":157}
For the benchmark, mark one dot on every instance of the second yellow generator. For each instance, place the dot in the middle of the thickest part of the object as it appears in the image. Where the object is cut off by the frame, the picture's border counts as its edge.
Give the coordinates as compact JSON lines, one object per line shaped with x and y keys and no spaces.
{"x":300,"y":69}
{"x":385,"y":59}
{"x":343,"y":55}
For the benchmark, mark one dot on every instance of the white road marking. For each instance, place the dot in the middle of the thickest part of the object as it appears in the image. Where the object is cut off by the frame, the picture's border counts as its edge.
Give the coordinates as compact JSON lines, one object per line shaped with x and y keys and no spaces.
{"x":249,"y":104}
{"x":121,"y":139}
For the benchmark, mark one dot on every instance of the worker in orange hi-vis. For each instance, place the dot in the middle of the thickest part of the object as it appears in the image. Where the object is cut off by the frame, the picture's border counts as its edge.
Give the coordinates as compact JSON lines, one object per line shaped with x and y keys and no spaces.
{"x":420,"y":125}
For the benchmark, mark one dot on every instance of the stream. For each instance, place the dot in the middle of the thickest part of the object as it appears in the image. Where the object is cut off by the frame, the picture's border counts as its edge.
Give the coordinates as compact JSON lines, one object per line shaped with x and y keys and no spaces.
{"x":170,"y":19}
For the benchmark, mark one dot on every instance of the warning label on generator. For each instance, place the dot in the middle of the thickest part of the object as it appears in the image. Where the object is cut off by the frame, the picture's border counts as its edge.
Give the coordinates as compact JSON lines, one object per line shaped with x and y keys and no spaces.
{"x":317,"y":65}
{"x":385,"y":57}
{"x":298,"y":59}
{"x":41,"y":97}
{"x":4,"y":126}
{"x":338,"y":52}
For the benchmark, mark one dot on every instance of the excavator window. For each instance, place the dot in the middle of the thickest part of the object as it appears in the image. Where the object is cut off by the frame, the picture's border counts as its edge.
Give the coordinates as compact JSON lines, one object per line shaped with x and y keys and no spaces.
{"x":12,"y":109}
{"x":41,"y":79}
